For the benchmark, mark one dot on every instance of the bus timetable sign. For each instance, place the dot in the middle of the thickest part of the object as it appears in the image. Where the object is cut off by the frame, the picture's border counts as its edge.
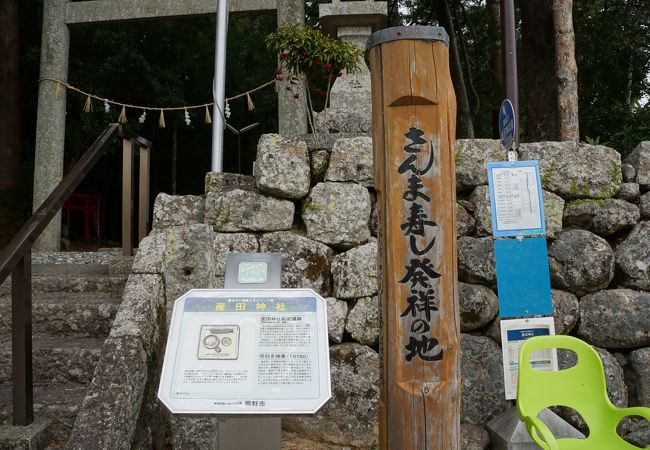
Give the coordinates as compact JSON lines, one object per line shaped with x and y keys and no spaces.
{"x":247,"y":352}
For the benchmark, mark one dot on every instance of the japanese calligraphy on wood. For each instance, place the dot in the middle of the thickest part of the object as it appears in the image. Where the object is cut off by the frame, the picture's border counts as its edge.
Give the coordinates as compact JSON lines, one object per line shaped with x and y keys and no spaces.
{"x":414,"y":112}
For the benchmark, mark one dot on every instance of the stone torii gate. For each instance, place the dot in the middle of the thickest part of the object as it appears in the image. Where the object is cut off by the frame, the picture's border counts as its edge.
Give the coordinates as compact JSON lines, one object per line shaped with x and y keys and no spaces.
{"x":60,"y":15}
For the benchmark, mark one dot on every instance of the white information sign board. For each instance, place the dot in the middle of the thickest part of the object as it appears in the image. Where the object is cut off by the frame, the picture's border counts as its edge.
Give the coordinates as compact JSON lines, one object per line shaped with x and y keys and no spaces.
{"x":247,"y":352}
{"x":516,"y":198}
{"x":513,"y":333}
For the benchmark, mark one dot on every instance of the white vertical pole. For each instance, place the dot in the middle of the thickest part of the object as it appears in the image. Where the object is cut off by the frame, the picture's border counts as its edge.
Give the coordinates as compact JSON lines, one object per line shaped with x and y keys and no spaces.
{"x":219,"y":85}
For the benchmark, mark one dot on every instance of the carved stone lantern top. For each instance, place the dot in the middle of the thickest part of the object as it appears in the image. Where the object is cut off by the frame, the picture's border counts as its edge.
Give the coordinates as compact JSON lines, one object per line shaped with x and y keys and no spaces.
{"x":359,"y":13}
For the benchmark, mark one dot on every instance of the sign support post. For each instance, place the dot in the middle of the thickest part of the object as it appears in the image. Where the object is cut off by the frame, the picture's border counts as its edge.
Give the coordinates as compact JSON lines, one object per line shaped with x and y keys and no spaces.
{"x":525,"y":306}
{"x":413,"y":123}
{"x":235,"y":432}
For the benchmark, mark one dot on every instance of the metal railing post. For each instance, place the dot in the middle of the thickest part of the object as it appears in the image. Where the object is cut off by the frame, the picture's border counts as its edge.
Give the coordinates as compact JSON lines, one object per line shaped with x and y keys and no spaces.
{"x":127,"y":197}
{"x":21,"y":341}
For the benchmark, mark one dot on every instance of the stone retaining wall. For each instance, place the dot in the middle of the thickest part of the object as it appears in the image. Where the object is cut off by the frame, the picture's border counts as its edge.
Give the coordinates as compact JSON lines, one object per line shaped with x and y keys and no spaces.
{"x":317,"y":208}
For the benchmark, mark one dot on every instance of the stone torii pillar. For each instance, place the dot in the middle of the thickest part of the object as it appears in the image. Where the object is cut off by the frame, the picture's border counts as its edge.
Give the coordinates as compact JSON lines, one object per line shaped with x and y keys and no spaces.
{"x":60,"y":15}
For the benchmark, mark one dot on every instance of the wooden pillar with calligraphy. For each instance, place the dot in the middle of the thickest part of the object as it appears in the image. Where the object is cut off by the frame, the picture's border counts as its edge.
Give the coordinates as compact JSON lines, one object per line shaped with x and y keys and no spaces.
{"x":413,"y":129}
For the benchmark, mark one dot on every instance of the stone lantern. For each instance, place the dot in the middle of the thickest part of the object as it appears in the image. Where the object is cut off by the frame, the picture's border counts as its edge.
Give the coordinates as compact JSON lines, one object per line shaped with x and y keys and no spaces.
{"x":349,"y":110}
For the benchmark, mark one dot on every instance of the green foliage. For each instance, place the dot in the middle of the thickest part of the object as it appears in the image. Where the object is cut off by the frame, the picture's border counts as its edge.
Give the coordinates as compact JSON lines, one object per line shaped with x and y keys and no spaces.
{"x":546,"y":177}
{"x":305,"y":50}
{"x":613,"y":56}
{"x":310,"y":61}
{"x":594,"y":141}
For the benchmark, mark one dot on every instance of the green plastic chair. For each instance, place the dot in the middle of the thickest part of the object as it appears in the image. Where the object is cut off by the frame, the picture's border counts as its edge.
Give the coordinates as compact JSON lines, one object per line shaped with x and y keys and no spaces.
{"x":581,"y":387}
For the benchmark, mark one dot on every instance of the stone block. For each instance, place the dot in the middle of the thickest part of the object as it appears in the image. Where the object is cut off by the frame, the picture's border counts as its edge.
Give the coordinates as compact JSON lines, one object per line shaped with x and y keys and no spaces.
{"x":602,"y":217}
{"x":305,"y":263}
{"x":464,"y":219}
{"x":112,"y":405}
{"x":149,"y":256}
{"x":576,"y":170}
{"x":640,"y":160}
{"x":282,"y":167}
{"x":482,"y":392}
{"x":633,"y":258}
{"x":476,"y":263}
{"x":239,"y":210}
{"x":617,"y":318}
{"x":222,"y":182}
{"x":473,"y":437}
{"x":355,"y":272}
{"x":338,"y":214}
{"x":480,"y":199}
{"x":566,"y":311}
{"x":337,"y":312}
{"x":478,"y":306}
{"x":188,"y":259}
{"x":363,"y":321}
{"x":138,"y":316}
{"x":580,"y":262}
{"x":175,"y":210}
{"x":639,"y":364}
{"x":629,"y":192}
{"x":471,"y":156}
{"x":34,"y":436}
{"x":351,"y":417}
{"x":351,"y":160}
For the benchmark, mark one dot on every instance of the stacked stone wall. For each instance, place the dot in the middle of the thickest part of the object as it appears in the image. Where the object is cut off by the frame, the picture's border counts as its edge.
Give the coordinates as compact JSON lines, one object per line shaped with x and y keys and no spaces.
{"x":317,"y":207}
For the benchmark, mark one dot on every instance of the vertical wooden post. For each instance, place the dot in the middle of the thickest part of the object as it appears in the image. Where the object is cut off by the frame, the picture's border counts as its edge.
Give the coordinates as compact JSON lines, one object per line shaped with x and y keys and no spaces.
{"x":21,"y":341}
{"x":413,"y":123}
{"x":127,"y":194}
{"x":143,"y":194}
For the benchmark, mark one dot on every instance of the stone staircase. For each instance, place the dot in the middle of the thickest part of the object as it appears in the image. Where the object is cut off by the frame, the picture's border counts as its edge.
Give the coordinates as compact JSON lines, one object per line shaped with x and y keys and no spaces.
{"x":75,"y":298}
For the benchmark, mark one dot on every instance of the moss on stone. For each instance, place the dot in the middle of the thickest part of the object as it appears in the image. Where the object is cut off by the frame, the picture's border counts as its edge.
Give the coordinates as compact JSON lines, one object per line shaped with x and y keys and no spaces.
{"x":220,"y":218}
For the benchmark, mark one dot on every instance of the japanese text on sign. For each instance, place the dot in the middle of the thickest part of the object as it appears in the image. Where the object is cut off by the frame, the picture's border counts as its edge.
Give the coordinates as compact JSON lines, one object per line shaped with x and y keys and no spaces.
{"x":420,"y":273}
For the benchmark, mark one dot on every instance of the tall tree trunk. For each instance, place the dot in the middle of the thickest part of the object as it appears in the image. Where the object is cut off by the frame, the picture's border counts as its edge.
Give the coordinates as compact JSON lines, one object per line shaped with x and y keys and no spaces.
{"x":567,"y":70}
{"x":464,"y":125}
{"x":10,"y":97}
{"x":539,"y":69}
{"x":494,"y":12}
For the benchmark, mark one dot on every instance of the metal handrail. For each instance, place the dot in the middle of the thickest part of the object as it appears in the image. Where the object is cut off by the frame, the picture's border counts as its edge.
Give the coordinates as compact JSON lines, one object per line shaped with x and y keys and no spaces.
{"x":15,"y":259}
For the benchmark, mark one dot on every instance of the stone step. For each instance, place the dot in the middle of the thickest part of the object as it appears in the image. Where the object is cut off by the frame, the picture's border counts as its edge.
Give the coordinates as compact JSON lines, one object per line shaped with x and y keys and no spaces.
{"x":59,"y":403}
{"x":56,"y":360}
{"x":79,"y":314}
{"x":70,"y":269}
{"x":72,"y":283}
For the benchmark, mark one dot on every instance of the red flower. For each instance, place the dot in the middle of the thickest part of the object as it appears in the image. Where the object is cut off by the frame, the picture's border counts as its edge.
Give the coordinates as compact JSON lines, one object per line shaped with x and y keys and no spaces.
{"x":283,"y":56}
{"x":278,"y":71}
{"x":328,"y":66}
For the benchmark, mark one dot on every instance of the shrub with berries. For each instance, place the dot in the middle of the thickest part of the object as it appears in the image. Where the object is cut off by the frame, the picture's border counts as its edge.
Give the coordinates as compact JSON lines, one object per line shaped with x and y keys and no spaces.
{"x":310,"y":61}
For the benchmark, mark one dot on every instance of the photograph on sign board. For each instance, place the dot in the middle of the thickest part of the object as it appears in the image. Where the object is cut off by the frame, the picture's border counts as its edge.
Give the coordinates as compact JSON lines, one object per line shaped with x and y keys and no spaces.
{"x":218,"y":342}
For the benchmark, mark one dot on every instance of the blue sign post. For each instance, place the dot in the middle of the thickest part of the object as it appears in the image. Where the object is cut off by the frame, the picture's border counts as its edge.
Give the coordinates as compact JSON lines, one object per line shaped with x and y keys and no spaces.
{"x":507,"y":123}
